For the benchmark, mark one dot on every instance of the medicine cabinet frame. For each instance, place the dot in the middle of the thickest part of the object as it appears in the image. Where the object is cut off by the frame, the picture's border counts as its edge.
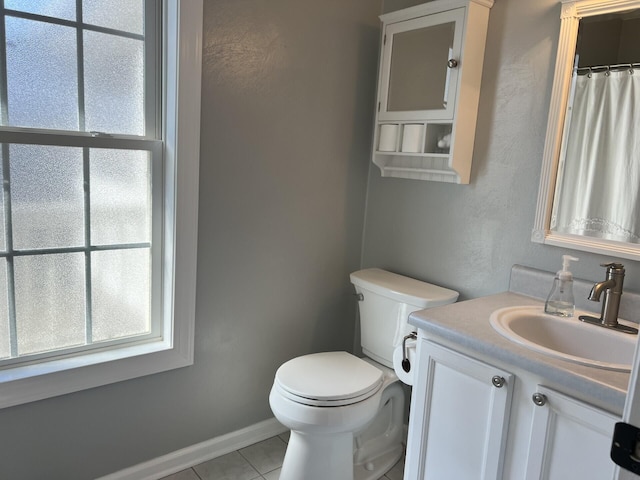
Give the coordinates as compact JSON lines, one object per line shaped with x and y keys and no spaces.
{"x":433,"y":144}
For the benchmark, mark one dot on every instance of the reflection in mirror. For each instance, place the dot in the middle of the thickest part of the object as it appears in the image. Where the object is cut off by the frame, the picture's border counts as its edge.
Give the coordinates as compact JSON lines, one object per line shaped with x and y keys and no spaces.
{"x":599,"y":170}
{"x":590,"y":181}
{"x":413,"y":66}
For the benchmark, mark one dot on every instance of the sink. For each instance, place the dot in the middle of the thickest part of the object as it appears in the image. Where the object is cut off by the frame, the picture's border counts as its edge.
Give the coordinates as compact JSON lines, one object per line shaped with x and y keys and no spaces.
{"x":565,"y":337}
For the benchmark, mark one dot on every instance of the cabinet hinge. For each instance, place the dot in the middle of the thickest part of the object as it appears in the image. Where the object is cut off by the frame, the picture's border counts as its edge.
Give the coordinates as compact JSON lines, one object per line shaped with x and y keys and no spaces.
{"x":626,"y":447}
{"x":378,"y":106}
{"x":384,"y":39}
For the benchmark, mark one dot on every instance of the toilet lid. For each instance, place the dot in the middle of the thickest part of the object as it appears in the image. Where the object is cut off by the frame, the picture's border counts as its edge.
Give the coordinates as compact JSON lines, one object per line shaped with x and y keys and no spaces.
{"x":329,"y":378}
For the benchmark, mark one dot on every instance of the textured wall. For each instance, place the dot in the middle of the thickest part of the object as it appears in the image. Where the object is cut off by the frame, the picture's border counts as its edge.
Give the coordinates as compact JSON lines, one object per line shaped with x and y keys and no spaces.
{"x":467,"y":237}
{"x":287,"y":108}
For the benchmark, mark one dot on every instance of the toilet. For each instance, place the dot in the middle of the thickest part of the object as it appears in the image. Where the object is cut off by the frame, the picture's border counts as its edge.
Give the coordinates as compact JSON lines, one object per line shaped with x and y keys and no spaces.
{"x":345,"y":413}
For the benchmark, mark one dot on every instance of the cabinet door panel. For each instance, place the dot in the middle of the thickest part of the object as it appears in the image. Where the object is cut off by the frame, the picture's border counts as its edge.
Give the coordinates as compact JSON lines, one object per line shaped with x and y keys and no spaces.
{"x":569,"y":439}
{"x":458,"y":417}
{"x":416,"y":79}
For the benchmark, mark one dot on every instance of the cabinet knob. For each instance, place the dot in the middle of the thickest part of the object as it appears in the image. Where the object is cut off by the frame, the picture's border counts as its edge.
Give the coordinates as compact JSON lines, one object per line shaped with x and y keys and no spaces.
{"x":539,"y":399}
{"x":452,"y":63}
{"x":498,"y":381}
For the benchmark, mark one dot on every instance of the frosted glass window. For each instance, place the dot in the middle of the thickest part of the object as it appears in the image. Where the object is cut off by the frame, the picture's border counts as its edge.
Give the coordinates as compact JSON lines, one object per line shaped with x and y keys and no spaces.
{"x":5,"y":339}
{"x":42,"y":79}
{"x":50,"y":302}
{"x":120,"y":293}
{"x":120,"y":196}
{"x":47,"y":196}
{"x":127,"y":15}
{"x":82,"y":79}
{"x":114,"y":84}
{"x":59,"y":8}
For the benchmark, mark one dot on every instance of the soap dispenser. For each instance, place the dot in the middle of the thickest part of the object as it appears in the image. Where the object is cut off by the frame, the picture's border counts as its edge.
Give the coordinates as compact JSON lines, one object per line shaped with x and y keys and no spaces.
{"x":560,"y":300}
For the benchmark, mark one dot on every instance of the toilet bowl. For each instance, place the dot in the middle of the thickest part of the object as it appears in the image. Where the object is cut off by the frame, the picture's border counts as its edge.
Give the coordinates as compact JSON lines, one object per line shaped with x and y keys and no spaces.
{"x":329,"y":419}
{"x":346,"y":413}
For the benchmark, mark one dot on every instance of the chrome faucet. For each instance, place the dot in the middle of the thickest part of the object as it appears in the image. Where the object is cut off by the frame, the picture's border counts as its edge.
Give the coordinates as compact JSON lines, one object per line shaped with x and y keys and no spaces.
{"x":612,"y":288}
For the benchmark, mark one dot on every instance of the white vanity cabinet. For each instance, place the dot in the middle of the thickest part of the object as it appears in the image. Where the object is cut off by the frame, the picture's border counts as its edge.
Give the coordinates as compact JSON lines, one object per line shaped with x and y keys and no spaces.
{"x":428,"y":88}
{"x":569,"y":439}
{"x":459,"y":415}
{"x":473,"y":420}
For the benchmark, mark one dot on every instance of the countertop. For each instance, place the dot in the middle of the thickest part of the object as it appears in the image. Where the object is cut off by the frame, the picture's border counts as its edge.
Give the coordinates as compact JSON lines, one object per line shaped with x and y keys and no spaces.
{"x":466,"y":324}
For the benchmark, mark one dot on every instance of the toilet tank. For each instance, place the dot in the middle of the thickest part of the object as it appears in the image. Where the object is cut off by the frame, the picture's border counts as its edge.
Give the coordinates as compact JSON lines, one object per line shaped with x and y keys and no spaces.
{"x":386,"y":302}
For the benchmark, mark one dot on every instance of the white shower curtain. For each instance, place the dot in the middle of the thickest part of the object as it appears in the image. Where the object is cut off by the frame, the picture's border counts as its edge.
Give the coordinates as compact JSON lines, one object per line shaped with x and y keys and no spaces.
{"x":597,"y":190}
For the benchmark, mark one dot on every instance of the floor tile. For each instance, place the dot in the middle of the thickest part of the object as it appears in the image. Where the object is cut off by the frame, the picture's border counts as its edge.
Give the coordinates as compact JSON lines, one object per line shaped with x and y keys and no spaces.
{"x":285,"y":436}
{"x":274,"y":475}
{"x":397,"y":472}
{"x":232,"y":466}
{"x":188,"y":474}
{"x":265,"y":456}
{"x":262,"y":460}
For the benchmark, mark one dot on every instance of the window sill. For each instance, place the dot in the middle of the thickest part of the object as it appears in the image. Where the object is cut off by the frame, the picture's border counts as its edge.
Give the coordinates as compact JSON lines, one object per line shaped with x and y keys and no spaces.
{"x":33,"y":382}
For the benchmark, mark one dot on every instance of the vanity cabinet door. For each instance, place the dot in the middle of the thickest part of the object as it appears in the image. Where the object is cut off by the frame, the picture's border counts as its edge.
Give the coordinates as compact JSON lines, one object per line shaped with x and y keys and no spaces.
{"x":569,"y":439}
{"x":459,"y":416}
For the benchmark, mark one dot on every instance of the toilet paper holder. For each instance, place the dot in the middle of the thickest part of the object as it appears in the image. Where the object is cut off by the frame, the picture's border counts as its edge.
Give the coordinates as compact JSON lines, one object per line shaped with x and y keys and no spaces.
{"x":406,"y":364}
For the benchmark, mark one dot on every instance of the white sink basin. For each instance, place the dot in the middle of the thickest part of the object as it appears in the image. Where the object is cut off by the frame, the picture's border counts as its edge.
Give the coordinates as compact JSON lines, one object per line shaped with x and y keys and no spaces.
{"x":566,"y":338}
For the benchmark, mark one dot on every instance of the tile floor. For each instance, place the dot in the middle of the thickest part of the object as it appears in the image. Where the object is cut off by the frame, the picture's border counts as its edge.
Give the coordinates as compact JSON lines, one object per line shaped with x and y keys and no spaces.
{"x":260,"y":461}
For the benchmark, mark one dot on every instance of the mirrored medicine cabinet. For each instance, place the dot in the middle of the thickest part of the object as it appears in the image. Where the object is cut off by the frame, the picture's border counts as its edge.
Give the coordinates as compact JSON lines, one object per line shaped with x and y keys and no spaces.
{"x":589,"y":194}
{"x":428,"y":88}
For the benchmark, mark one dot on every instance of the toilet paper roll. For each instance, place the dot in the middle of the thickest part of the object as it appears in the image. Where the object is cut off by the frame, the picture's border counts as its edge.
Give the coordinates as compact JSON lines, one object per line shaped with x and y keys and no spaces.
{"x":405,"y":377}
{"x":388,"y":136}
{"x":412,"y":138}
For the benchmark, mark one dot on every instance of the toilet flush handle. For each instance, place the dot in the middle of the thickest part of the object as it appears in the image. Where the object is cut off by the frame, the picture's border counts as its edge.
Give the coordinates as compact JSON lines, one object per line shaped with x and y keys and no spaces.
{"x":359,"y":297}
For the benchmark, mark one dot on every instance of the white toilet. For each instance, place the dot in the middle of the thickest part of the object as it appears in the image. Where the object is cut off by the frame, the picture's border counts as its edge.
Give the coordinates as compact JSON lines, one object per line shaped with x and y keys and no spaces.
{"x":345,"y":413}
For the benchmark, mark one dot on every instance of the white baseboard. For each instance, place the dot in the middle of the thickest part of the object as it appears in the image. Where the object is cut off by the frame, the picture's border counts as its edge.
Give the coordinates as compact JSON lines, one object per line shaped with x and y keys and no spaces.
{"x":201,"y":452}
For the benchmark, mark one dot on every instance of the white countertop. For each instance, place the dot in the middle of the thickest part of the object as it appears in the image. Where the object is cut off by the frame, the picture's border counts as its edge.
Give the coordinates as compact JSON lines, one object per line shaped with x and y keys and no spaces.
{"x":466,"y":324}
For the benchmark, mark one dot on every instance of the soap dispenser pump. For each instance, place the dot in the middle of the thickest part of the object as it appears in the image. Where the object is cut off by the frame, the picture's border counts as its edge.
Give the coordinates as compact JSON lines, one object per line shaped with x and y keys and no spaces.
{"x":560,"y":300}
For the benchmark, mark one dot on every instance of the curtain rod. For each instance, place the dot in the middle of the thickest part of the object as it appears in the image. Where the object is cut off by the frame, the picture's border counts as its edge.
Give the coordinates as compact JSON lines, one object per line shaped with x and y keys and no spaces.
{"x":606,"y":68}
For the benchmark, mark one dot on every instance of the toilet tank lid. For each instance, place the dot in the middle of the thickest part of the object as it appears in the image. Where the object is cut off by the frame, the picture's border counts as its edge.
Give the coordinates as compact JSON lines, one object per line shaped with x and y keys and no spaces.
{"x":403,"y":289}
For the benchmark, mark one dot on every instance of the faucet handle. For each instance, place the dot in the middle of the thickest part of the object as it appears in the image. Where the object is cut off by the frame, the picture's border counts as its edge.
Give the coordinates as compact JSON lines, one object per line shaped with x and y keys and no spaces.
{"x":613,"y":266}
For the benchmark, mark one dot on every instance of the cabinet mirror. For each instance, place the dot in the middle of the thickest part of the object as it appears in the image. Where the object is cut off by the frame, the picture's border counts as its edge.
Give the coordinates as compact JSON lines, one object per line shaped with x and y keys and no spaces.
{"x":420,"y":59}
{"x":413,"y":66}
{"x":590,"y":183}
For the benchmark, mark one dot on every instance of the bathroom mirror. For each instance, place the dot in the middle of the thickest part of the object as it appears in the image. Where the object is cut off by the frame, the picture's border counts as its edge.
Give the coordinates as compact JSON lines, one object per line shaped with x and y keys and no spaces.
{"x":578,"y":205}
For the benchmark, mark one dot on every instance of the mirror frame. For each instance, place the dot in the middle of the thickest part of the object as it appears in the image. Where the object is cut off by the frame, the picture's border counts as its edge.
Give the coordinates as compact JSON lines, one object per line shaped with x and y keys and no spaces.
{"x":571,"y":13}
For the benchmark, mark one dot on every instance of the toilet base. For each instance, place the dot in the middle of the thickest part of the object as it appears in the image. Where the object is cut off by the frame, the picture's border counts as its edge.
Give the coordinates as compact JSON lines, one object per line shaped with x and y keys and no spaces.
{"x":373,"y":469}
{"x":380,"y":445}
{"x":303,"y":461}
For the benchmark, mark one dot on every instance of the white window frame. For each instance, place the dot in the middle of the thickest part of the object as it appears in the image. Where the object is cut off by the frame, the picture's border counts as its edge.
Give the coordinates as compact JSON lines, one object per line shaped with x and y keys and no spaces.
{"x":36,"y":381}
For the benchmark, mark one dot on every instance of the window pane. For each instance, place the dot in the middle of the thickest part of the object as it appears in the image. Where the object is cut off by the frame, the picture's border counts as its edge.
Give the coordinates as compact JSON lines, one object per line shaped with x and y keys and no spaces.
{"x":41,"y":75}
{"x":120,"y":293}
{"x":127,"y":15}
{"x":120,"y":196}
{"x":50,"y":302}
{"x":5,"y":340}
{"x":114,"y":84}
{"x":59,"y":8}
{"x":47,"y":196}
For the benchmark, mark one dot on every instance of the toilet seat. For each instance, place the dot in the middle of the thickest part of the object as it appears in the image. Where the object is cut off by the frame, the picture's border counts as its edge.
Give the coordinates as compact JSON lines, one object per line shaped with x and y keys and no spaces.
{"x":328,"y":379}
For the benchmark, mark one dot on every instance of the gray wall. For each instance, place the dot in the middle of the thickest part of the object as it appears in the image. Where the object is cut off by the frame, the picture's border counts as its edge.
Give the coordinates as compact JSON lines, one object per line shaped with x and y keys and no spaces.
{"x":288,"y":94}
{"x":467,"y":237}
{"x":287,"y":108}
